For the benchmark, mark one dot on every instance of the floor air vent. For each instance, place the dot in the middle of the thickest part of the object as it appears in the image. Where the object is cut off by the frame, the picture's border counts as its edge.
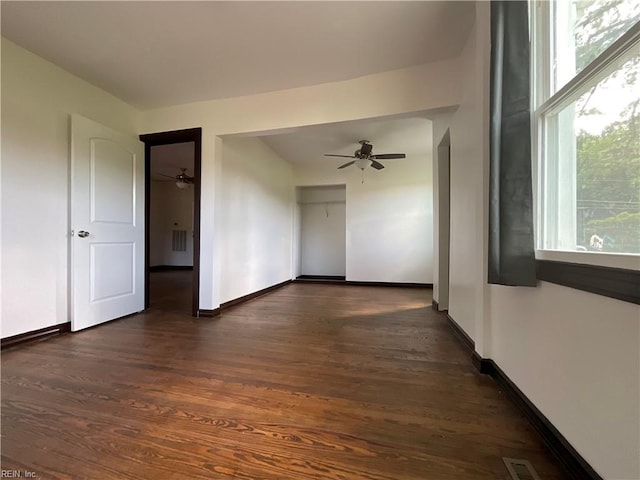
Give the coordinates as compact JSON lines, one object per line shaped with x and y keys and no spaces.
{"x":520,"y":469}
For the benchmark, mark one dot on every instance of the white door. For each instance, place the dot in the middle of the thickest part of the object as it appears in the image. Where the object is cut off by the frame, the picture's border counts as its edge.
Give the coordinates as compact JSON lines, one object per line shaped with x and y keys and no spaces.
{"x":107,"y":223}
{"x":323,"y":235}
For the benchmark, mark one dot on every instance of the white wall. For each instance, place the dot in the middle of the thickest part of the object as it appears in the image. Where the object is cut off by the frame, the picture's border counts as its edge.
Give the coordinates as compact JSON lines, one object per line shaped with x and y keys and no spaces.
{"x":389,"y":222}
{"x":574,"y":354}
{"x":37,"y":99}
{"x":171,"y":209}
{"x":416,"y":89}
{"x":256,"y":218}
{"x":466,"y":215}
{"x":296,"y":257}
{"x":323,"y":230}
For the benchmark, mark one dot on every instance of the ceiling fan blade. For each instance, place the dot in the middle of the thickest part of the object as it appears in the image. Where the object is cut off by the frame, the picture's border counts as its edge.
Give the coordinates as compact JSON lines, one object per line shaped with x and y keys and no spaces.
{"x":377,"y":165}
{"x":346,"y":164}
{"x":389,"y":156}
{"x":168,"y":176}
{"x":343,"y":156}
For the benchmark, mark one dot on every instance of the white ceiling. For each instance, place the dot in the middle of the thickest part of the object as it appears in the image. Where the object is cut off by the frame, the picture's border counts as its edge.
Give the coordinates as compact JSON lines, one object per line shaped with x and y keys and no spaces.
{"x":307,"y":145}
{"x":153,"y":54}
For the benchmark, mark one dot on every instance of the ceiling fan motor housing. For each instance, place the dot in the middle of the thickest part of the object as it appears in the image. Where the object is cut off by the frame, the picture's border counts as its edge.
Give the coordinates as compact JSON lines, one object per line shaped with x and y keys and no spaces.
{"x":365,"y":150}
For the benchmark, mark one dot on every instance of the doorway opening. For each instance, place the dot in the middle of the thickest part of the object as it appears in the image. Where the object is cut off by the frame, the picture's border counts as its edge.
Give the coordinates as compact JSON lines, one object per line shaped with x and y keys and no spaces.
{"x":172,"y":219}
{"x":444,"y":219}
{"x":322,"y":234}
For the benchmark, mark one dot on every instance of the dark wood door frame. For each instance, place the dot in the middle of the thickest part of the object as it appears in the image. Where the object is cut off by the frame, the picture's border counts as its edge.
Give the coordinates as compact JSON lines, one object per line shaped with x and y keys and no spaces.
{"x":168,"y":138}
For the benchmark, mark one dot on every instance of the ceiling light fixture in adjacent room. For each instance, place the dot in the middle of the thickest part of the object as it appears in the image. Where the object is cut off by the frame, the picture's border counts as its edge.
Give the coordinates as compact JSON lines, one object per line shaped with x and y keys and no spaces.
{"x":182,"y":179}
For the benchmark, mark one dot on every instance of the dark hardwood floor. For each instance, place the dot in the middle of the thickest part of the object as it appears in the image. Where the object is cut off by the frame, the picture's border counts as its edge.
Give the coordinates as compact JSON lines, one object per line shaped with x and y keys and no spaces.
{"x":170,"y":291}
{"x":311,"y":381}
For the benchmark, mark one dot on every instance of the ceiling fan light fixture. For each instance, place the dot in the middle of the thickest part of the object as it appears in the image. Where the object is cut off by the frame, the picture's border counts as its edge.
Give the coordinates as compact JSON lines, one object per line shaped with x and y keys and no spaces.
{"x":363,"y":163}
{"x":364,"y":157}
{"x":181,"y":184}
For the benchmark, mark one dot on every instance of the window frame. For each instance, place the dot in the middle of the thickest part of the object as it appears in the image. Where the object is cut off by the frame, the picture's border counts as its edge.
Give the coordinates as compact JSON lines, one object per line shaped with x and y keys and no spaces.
{"x":609,"y":274}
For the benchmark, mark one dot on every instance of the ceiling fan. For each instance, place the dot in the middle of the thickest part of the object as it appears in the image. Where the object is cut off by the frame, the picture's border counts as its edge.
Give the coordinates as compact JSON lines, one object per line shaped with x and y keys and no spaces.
{"x":364,"y":157}
{"x":182,"y":179}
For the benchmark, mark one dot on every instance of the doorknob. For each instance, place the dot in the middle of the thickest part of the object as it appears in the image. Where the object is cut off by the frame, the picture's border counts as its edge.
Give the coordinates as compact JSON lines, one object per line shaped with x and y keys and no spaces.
{"x":83,"y":234}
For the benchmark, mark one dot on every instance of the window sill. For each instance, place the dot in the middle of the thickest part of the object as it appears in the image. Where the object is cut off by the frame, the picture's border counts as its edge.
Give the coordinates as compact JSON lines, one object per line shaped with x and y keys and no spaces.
{"x":596,"y":259}
{"x":619,"y":283}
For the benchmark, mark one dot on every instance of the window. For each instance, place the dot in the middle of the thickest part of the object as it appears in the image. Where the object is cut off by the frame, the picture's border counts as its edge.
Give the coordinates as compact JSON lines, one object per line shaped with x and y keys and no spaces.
{"x":586,"y":89}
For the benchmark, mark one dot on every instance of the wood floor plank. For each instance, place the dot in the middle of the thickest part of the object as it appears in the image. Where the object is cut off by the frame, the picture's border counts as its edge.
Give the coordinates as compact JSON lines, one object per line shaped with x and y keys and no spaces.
{"x":312,"y":381}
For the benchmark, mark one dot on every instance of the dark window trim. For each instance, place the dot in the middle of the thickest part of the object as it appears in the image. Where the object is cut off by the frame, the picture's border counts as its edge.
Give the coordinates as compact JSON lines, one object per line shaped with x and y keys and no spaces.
{"x":617,"y":283}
